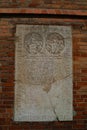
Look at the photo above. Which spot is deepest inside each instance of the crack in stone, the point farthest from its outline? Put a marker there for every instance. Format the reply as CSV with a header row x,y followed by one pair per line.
x,y
53,109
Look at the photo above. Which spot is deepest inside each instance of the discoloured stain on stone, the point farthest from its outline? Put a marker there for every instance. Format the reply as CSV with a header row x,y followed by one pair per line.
x,y
43,73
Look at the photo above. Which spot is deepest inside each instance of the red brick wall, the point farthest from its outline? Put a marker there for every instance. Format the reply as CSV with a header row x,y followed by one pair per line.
x,y
7,73
63,4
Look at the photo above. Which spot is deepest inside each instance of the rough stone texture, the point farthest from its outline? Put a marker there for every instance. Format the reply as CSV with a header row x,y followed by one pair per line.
x,y
43,73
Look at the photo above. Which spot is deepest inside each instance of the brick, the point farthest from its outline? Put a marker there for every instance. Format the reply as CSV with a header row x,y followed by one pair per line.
x,y
43,3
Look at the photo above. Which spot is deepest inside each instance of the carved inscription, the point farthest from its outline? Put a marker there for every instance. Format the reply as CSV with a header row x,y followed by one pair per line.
x,y
33,43
55,43
43,73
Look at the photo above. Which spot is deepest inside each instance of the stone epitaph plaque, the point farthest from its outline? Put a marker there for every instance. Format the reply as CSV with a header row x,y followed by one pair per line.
x,y
43,73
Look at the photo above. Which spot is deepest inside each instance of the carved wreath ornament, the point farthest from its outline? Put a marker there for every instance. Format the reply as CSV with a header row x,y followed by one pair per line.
x,y
54,43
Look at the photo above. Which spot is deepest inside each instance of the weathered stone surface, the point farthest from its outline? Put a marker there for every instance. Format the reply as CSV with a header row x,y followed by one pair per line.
x,y
43,73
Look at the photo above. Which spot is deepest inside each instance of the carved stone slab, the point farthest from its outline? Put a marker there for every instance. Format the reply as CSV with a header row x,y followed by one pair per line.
x,y
43,73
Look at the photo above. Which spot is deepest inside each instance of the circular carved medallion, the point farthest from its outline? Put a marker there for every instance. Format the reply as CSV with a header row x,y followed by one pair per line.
x,y
55,43
33,42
